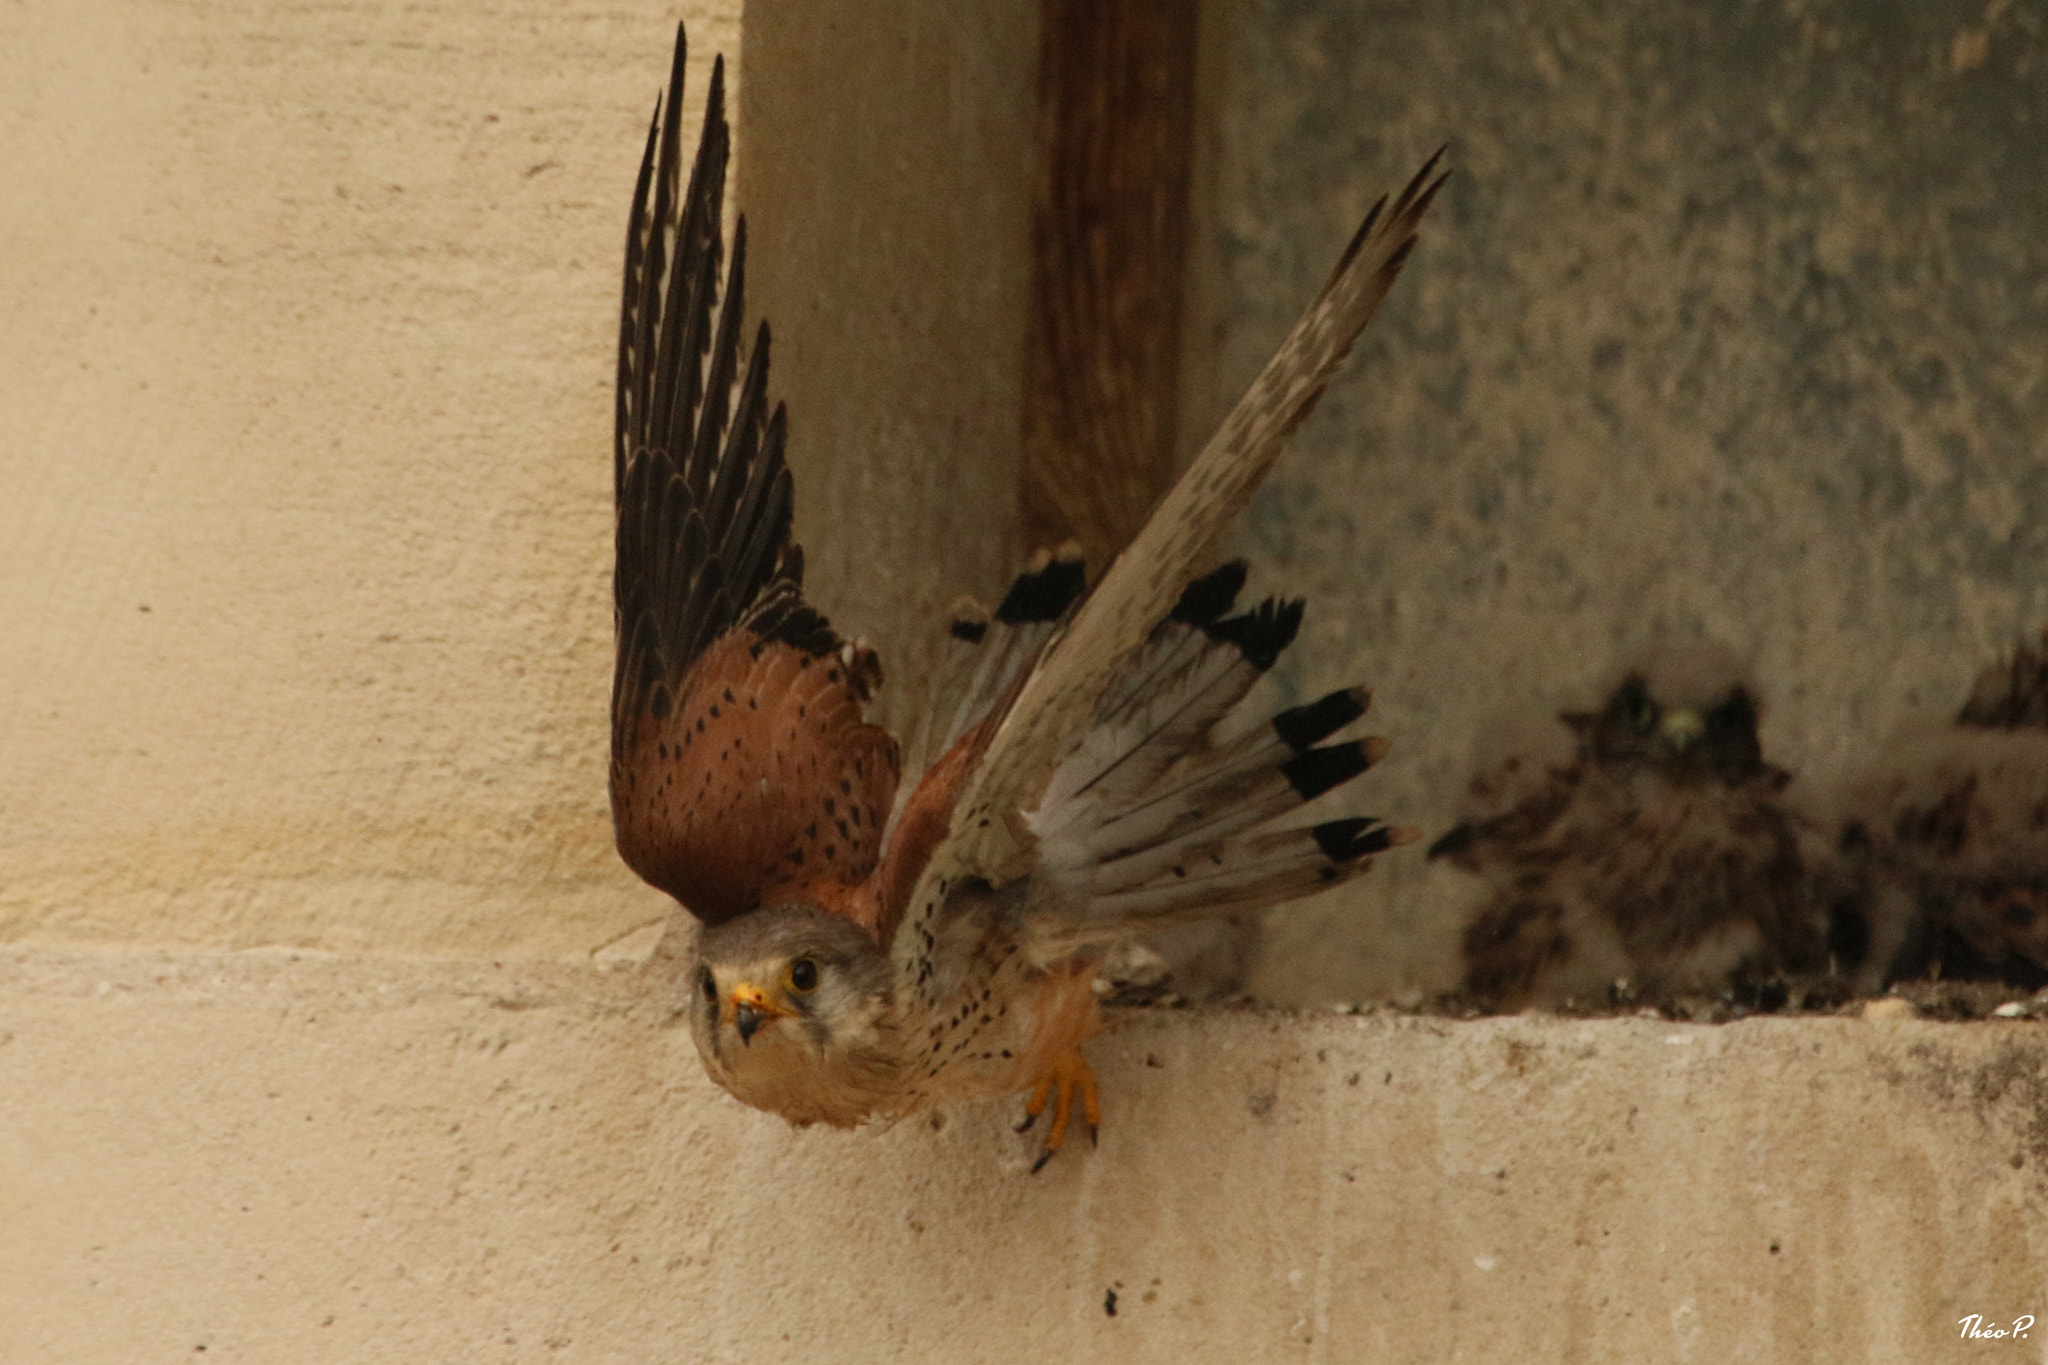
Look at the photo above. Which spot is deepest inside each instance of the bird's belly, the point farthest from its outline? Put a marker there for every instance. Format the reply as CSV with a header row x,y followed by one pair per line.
x,y
998,1040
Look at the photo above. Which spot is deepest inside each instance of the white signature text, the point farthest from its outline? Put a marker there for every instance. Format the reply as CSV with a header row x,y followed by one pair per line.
x,y
1975,1326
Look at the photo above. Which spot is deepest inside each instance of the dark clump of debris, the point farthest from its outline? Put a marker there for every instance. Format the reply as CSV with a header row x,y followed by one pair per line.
x,y
1788,997
1950,1000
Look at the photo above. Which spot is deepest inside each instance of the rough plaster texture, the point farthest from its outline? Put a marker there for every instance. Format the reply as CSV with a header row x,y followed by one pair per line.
x,y
304,419
307,352
305,393
1731,327
365,1161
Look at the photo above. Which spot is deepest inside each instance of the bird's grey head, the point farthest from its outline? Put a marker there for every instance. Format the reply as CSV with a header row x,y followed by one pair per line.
x,y
789,1007
1712,740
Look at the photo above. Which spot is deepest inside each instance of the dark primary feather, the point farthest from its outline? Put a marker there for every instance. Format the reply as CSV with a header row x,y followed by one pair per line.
x,y
704,503
704,497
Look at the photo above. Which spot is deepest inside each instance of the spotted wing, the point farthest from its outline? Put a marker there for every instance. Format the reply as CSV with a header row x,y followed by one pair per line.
x,y
742,769
1143,584
987,840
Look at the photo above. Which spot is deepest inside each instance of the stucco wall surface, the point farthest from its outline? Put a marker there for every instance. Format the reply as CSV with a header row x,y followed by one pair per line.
x,y
265,1158
305,409
304,641
305,413
1729,332
305,390
886,157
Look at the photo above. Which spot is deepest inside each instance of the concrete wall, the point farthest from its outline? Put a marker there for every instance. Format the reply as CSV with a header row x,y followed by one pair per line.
x,y
268,1158
304,640
1730,330
307,399
304,604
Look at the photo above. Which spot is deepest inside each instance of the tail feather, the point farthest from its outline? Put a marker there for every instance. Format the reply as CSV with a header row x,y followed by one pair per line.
x,y
1064,690
1151,817
1225,801
1196,666
1178,644
1126,749
1282,748
1229,876
1192,669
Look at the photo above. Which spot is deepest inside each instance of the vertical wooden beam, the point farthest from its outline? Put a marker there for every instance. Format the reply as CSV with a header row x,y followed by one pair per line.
x,y
1109,246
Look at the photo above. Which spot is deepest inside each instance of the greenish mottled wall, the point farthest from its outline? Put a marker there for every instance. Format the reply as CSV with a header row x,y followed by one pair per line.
x,y
1731,329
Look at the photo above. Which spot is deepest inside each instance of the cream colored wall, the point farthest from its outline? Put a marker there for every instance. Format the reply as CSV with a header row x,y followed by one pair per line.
x,y
308,351
305,396
369,1162
305,408
1729,333
886,159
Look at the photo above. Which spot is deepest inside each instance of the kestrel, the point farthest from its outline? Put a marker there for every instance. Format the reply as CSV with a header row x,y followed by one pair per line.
x,y
1658,853
1945,844
867,952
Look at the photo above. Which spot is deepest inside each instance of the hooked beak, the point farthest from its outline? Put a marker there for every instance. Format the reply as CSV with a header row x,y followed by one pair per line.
x,y
1683,727
751,1007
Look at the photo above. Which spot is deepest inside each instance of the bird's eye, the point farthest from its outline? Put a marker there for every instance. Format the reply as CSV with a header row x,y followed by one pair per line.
x,y
708,986
1641,712
803,975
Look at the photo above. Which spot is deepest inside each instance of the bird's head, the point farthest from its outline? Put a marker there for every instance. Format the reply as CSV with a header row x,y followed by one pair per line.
x,y
1713,739
788,1006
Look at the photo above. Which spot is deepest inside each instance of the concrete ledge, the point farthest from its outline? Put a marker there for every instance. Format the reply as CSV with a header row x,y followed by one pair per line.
x,y
315,1159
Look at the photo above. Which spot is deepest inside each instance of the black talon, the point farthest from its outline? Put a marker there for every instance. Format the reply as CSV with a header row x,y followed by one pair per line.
x,y
1025,1126
1043,1157
1094,1136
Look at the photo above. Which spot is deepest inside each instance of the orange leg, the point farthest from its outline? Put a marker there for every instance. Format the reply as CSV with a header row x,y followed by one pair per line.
x,y
1069,1075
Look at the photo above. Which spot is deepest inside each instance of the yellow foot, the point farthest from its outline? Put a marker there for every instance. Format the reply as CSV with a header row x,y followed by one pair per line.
x,y
1068,1075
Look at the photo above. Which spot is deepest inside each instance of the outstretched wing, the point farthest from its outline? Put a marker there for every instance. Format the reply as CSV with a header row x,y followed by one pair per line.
x,y
987,839
742,769
1146,580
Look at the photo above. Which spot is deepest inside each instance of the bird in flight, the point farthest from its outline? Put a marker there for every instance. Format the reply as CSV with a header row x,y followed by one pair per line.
x,y
871,948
